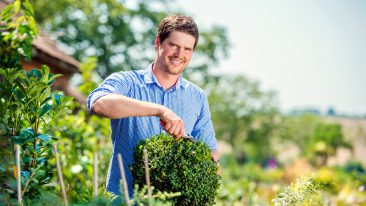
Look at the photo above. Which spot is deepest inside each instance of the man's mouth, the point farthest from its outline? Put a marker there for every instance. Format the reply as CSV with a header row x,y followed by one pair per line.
x,y
176,61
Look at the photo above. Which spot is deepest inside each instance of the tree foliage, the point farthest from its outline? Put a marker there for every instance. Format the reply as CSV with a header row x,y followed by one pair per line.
x,y
243,115
120,33
18,29
298,130
324,142
316,139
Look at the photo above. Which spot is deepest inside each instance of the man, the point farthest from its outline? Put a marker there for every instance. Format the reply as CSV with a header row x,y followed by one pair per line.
x,y
136,101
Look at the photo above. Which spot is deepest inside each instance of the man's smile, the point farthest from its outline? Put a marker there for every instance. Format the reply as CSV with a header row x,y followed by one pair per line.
x,y
176,61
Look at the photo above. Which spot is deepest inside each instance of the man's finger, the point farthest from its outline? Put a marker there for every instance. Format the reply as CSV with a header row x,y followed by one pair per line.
x,y
215,155
172,129
178,129
167,126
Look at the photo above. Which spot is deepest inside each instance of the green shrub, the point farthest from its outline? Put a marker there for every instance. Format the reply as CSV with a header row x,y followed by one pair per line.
x,y
141,198
28,107
178,166
305,191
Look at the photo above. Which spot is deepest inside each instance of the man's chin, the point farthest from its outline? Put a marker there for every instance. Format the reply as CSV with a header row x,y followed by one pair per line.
x,y
174,71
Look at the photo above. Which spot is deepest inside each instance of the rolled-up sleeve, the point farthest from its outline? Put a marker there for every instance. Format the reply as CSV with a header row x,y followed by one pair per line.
x,y
203,129
116,83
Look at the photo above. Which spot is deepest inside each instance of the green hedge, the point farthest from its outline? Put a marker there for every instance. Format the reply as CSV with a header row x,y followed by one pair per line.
x,y
178,166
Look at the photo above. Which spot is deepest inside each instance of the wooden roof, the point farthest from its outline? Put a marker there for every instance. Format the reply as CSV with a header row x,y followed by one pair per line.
x,y
46,50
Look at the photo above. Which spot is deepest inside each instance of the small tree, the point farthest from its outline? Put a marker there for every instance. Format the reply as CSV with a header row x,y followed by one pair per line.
x,y
178,166
27,105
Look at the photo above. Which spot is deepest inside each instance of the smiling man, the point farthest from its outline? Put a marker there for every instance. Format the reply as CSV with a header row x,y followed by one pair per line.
x,y
136,101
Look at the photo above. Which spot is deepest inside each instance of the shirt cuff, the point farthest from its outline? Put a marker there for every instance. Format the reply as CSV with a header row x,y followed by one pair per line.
x,y
94,98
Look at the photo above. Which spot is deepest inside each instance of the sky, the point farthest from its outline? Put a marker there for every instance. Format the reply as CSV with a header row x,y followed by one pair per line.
x,y
311,52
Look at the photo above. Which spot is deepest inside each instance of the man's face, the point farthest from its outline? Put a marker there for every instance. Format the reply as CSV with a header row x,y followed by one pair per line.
x,y
175,52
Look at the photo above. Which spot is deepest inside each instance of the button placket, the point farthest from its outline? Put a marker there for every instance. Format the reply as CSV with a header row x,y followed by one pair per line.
x,y
164,103
165,99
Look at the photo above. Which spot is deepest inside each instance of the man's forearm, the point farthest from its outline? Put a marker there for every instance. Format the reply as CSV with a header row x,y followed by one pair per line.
x,y
116,106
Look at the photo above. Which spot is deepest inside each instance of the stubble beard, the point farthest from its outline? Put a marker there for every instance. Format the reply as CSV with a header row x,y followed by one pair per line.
x,y
170,69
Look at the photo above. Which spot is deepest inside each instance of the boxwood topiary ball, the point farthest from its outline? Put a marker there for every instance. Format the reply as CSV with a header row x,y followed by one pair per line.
x,y
178,166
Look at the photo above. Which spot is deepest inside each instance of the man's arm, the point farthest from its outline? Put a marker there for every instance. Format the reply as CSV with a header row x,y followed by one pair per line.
x,y
116,106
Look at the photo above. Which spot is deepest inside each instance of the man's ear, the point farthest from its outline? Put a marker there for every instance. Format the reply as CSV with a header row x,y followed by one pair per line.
x,y
157,43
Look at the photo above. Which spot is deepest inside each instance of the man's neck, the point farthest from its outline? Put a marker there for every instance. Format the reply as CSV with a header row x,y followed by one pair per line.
x,y
165,79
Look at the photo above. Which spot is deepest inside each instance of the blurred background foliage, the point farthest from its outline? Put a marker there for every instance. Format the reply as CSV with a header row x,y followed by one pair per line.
x,y
263,150
120,34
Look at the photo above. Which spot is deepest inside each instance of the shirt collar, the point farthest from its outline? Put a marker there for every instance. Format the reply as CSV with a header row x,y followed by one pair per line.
x,y
150,78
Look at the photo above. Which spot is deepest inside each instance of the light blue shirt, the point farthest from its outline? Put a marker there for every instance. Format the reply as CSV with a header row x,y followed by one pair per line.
x,y
185,99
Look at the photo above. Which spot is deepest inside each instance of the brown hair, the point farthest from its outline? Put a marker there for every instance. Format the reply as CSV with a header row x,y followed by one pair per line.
x,y
177,23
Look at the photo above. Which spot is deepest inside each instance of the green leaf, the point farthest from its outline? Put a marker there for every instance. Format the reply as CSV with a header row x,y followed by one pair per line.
x,y
26,159
28,8
46,100
15,91
40,172
35,180
32,120
52,77
7,12
66,99
31,149
46,179
18,82
54,138
36,73
44,137
25,174
58,98
18,140
41,160
27,133
45,108
26,73
2,89
17,4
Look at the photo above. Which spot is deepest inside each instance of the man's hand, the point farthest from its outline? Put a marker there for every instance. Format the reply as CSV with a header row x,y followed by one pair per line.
x,y
173,124
215,155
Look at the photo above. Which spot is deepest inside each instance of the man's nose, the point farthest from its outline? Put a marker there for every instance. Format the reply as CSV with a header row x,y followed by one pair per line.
x,y
178,52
